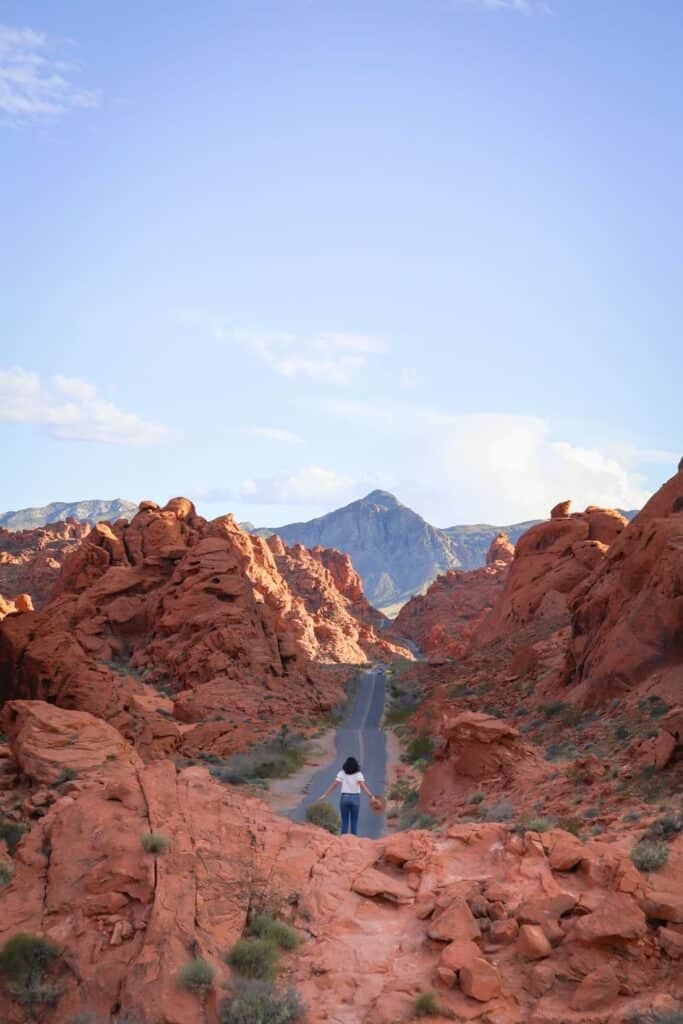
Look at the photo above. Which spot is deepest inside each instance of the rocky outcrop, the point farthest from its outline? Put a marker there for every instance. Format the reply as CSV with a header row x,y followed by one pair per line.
x,y
30,560
551,560
477,912
627,621
501,550
475,747
21,603
185,633
443,621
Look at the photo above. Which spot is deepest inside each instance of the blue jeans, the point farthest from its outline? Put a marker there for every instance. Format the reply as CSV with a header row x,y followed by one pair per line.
x,y
349,805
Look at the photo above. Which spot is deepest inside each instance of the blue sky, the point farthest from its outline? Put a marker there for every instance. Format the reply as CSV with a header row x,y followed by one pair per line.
x,y
273,253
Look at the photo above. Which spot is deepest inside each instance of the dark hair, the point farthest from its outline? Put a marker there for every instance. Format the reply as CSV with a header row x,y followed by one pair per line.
x,y
351,766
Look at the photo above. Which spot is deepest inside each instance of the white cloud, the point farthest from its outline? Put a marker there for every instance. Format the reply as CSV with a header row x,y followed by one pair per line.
x,y
310,486
71,410
34,82
516,6
273,434
465,467
331,356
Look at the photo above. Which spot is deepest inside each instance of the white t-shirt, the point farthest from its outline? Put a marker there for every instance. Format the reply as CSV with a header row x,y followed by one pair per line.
x,y
350,783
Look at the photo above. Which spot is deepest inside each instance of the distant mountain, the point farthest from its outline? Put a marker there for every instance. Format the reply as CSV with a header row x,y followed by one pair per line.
x,y
473,541
396,552
94,511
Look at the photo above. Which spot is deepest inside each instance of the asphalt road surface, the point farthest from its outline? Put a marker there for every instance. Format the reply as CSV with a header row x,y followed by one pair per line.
x,y
361,736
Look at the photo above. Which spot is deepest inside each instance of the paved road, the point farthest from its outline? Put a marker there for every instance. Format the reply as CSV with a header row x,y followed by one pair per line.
x,y
359,735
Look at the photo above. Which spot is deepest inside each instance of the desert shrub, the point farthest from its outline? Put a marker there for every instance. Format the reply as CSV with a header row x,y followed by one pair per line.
x,y
475,798
6,873
11,832
420,748
66,775
551,710
622,732
197,976
654,706
535,824
154,842
259,1002
649,855
325,816
400,789
501,811
656,1017
254,958
572,825
666,827
23,960
592,812
265,926
632,816
274,759
426,1005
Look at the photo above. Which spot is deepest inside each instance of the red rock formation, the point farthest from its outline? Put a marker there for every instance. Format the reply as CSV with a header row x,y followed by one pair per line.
x,y
30,560
627,620
551,560
199,610
501,549
443,621
21,603
412,911
476,747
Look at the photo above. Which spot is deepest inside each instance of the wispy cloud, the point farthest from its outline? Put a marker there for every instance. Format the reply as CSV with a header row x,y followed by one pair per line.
x,y
514,6
310,486
71,410
465,466
273,434
331,356
34,81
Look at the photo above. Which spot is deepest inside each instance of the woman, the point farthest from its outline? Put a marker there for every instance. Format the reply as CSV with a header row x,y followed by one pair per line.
x,y
351,780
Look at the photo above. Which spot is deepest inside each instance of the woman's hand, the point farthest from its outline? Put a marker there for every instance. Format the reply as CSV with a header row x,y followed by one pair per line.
x,y
366,791
329,789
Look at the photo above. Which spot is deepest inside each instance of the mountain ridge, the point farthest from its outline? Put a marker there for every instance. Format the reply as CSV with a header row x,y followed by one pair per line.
x,y
89,510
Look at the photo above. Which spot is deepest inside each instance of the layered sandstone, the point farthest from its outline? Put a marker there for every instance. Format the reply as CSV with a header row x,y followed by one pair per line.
x,y
443,621
185,633
503,926
30,560
551,560
627,621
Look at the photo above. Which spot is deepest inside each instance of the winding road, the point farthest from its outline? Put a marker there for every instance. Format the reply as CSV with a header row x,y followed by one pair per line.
x,y
362,736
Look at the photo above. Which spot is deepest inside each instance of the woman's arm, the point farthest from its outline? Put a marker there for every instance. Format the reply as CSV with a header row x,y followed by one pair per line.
x,y
365,789
335,782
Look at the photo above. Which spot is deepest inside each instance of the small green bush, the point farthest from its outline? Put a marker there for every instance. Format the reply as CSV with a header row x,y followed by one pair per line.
x,y
649,855
23,960
426,1005
400,789
572,825
531,824
420,748
475,798
154,842
11,832
501,811
258,1002
197,976
264,926
666,827
254,958
6,873
324,816
67,775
